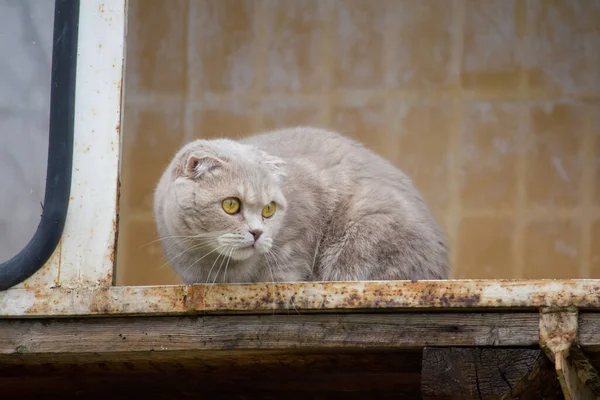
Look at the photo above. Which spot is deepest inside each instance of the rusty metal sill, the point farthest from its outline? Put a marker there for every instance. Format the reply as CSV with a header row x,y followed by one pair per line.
x,y
303,297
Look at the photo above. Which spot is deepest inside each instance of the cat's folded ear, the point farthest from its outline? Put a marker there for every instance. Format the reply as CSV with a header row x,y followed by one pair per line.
x,y
195,165
274,164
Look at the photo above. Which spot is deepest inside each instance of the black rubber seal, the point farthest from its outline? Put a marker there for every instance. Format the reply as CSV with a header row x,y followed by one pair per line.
x,y
60,150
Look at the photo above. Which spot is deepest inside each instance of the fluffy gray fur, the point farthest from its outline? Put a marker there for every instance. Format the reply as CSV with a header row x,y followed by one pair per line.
x,y
343,212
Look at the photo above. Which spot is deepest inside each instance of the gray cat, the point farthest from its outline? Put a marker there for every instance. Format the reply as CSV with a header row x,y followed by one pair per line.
x,y
299,204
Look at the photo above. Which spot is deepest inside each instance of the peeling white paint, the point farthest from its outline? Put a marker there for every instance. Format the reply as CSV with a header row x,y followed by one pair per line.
x,y
565,248
16,302
560,169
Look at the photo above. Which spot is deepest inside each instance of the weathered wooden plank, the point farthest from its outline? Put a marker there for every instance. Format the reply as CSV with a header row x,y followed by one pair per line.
x,y
558,339
589,331
586,370
167,334
342,374
488,373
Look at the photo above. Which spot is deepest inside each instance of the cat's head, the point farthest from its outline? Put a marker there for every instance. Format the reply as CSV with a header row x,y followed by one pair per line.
x,y
227,196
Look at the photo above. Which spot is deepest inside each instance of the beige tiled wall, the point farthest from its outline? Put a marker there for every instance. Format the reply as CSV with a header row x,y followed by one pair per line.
x,y
492,106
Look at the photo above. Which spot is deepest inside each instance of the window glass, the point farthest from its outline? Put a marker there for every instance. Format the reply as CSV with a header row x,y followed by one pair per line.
x,y
26,28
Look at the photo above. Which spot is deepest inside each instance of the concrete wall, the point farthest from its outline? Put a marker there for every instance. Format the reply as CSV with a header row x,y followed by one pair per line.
x,y
493,107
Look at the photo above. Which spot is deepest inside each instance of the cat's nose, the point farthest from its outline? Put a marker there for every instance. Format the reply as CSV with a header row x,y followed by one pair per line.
x,y
256,233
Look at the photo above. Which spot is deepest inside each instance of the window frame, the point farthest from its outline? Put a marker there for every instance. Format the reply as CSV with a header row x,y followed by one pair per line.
x,y
74,245
60,150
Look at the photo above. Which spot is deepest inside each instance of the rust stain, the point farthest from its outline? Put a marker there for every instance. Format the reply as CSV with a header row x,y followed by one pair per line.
x,y
112,248
558,328
119,85
101,303
374,295
312,296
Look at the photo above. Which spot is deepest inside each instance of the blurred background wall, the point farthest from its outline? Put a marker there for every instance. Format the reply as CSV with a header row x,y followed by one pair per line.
x,y
491,106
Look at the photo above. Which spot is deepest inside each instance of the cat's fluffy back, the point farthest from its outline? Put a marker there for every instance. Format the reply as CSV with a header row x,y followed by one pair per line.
x,y
350,172
338,161
328,152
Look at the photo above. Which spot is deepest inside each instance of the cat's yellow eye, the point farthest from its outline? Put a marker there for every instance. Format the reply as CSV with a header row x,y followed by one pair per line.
x,y
231,205
269,210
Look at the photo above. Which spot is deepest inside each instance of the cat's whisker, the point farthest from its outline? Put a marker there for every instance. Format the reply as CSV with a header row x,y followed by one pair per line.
x,y
184,237
169,261
228,260
228,251
210,270
275,258
203,239
275,253
204,256
184,251
161,239
272,283
197,246
219,270
281,260
190,247
279,249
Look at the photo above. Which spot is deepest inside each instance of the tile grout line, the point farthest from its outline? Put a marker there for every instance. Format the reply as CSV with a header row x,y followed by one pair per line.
x,y
391,102
534,213
260,20
590,145
407,94
593,56
454,175
327,63
187,100
520,212
587,185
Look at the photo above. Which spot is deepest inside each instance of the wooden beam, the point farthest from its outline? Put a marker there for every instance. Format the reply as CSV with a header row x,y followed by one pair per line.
x,y
487,373
559,329
264,374
105,336
587,372
589,330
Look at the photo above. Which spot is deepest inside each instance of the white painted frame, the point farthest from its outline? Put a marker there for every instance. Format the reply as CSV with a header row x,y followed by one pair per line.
x,y
84,256
89,237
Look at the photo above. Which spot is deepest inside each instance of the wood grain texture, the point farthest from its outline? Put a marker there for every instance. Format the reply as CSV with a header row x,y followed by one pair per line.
x,y
339,374
488,373
587,371
348,356
195,333
589,330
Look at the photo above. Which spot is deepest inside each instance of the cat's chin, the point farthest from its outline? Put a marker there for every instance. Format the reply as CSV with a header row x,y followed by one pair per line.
x,y
243,253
